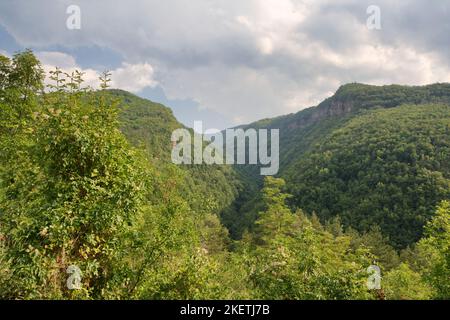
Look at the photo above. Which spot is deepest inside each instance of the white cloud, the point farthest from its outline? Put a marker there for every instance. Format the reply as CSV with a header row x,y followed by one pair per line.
x,y
55,58
133,77
247,59
129,77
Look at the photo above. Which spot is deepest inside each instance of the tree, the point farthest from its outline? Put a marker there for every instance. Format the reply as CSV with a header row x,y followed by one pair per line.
x,y
71,199
277,218
402,283
435,246
385,256
292,259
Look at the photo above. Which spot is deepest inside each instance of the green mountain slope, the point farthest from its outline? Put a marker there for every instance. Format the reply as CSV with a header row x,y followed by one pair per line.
x,y
299,131
335,157
362,154
150,125
388,167
146,123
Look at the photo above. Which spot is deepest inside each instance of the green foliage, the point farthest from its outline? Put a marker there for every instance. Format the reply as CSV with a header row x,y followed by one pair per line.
x,y
21,78
149,126
435,247
86,181
363,131
291,259
385,256
403,283
145,124
71,199
75,193
386,167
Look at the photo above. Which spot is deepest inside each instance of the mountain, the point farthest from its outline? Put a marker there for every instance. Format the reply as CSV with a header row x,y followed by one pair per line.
x,y
88,191
374,155
149,125
146,123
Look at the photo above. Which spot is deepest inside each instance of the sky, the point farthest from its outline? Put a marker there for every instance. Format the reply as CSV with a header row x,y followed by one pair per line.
x,y
231,62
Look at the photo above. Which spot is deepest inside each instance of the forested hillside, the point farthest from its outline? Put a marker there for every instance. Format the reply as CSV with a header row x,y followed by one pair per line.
x,y
375,156
385,167
92,208
149,126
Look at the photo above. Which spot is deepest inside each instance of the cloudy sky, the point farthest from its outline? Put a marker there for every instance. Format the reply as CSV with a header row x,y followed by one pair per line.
x,y
231,62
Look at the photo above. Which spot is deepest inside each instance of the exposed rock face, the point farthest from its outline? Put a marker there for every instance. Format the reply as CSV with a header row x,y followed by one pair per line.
x,y
355,96
339,108
335,108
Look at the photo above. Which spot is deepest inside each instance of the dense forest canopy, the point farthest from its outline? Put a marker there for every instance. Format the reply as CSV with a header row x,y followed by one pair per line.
x,y
92,208
371,155
388,167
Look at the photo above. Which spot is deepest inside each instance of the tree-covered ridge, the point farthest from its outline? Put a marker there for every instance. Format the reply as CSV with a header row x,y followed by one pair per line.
x,y
303,132
386,167
146,123
356,96
74,194
363,96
